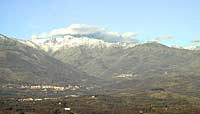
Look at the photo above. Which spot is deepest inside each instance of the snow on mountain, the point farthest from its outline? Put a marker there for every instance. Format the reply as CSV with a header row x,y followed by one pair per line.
x,y
30,43
192,47
2,37
54,44
68,41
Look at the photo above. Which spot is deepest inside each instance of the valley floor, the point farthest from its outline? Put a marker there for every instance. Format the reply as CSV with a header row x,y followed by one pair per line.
x,y
96,104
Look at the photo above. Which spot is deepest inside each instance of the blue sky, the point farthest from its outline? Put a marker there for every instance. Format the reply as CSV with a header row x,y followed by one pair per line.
x,y
148,18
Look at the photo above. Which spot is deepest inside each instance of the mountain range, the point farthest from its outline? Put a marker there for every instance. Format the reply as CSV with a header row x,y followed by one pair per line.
x,y
21,64
118,67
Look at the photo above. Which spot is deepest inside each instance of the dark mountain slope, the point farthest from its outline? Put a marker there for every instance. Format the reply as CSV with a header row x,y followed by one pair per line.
x,y
149,70
23,64
155,59
94,61
147,59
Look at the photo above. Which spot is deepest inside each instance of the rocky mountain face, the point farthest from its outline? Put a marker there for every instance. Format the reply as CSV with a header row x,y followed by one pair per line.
x,y
121,60
149,68
90,55
126,68
22,64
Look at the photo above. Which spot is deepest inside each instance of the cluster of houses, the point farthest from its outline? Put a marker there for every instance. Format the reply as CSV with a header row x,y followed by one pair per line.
x,y
30,99
124,75
57,88
48,98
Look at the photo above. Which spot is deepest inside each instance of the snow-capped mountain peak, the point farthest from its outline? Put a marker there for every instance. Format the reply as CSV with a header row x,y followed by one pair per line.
x,y
54,44
192,47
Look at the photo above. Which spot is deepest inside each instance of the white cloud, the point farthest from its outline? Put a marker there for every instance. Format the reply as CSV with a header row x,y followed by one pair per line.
x,y
88,31
129,35
197,40
162,37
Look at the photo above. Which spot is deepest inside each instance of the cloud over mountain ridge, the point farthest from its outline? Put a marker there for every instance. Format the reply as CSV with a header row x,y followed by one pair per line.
x,y
90,31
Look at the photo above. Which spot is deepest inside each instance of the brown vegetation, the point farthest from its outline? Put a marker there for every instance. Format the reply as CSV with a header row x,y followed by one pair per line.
x,y
99,105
